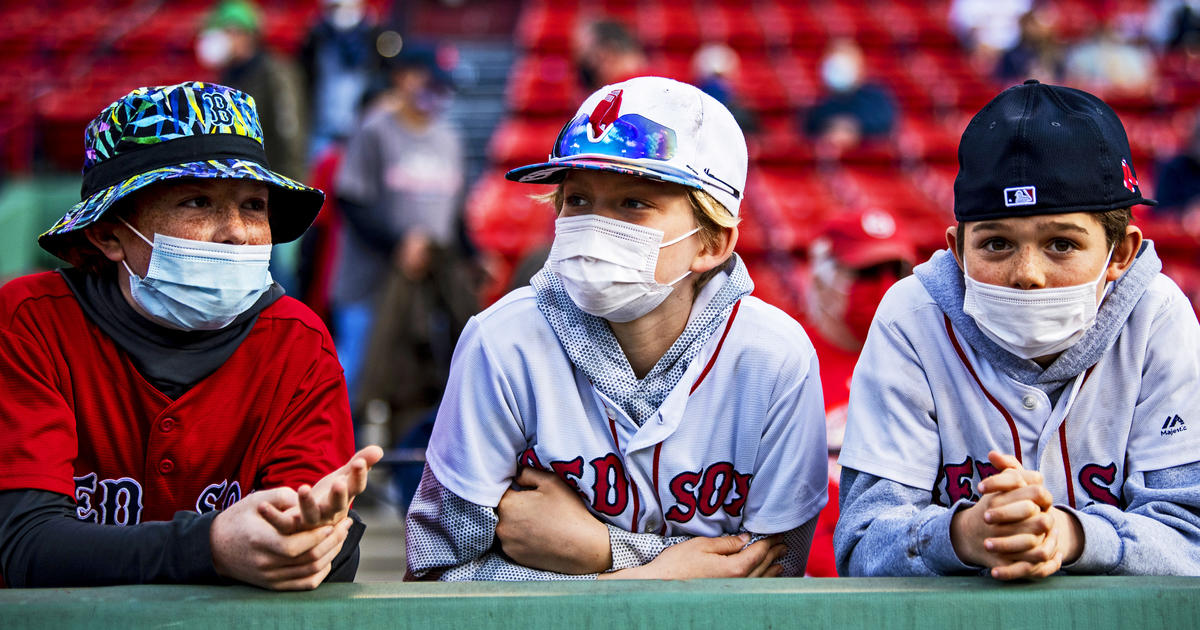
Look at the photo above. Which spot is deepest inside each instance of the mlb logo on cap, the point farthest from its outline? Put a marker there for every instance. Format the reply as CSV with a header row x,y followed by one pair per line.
x,y
1020,196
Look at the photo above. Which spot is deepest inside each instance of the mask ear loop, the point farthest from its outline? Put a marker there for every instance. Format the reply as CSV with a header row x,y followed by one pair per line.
x,y
139,234
672,242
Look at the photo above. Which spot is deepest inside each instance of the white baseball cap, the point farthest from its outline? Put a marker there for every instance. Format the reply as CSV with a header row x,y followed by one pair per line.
x,y
655,128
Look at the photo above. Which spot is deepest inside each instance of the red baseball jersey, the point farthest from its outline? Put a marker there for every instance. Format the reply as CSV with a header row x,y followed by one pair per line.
x,y
78,419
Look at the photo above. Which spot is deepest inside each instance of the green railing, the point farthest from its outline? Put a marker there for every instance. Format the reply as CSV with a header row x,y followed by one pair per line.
x,y
1090,603
28,207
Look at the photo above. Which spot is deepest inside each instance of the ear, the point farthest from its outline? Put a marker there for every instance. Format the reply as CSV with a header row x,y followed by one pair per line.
x,y
952,243
1124,253
101,234
710,257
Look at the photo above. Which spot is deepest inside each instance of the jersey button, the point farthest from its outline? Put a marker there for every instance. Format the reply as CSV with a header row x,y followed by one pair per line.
x,y
166,466
167,425
1029,402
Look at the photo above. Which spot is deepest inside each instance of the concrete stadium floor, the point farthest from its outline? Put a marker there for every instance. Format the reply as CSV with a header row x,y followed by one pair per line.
x,y
381,553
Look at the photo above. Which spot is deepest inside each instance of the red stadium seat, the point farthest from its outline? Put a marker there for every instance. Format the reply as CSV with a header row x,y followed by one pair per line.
x,y
502,217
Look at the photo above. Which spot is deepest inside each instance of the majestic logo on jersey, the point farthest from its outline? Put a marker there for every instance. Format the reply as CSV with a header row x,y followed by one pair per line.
x,y
1131,182
1020,196
1174,424
108,501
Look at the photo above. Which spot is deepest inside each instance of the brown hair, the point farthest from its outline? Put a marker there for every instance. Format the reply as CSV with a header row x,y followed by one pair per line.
x,y
711,217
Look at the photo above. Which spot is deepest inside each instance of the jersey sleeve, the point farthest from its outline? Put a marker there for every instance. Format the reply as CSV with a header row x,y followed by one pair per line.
x,y
1166,423
790,484
315,435
891,431
478,434
40,442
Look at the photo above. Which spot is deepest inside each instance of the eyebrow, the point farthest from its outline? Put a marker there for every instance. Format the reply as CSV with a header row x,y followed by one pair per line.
x,y
1058,225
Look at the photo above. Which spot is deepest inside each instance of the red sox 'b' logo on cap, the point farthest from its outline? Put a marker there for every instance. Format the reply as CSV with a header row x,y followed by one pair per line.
x,y
606,113
1131,182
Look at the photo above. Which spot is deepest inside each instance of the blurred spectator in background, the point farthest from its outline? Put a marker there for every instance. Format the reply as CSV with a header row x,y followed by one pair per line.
x,y
1113,60
1179,180
399,294
1175,24
852,110
857,256
714,67
606,51
987,28
1038,53
231,43
339,59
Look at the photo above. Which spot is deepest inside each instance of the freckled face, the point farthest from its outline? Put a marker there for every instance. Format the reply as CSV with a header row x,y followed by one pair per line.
x,y
229,211
1047,251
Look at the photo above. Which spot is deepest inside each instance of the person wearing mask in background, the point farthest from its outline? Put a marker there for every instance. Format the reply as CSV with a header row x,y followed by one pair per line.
x,y
854,259
231,43
606,52
340,59
169,416
401,291
852,110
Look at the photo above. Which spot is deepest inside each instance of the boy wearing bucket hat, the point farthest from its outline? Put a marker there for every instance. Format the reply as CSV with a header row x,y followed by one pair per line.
x,y
633,413
1022,402
164,383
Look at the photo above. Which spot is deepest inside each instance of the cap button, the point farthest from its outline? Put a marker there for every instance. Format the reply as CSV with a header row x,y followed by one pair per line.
x,y
1031,81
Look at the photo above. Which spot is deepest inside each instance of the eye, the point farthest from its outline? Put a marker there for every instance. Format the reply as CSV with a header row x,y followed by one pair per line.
x,y
255,203
994,244
636,204
1062,246
200,201
574,201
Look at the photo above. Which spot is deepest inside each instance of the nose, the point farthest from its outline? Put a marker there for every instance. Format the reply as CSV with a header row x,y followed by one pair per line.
x,y
1027,272
231,226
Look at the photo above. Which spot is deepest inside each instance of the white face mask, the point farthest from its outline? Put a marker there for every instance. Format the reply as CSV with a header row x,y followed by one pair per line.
x,y
1032,322
607,266
198,285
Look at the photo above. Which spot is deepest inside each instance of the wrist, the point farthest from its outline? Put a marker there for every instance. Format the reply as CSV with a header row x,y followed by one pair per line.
x,y
962,538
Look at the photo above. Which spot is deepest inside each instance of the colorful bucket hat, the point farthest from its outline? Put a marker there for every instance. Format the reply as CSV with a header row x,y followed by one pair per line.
x,y
656,128
189,130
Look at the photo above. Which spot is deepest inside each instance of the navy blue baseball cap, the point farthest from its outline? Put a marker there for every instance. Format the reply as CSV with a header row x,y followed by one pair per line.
x,y
1044,149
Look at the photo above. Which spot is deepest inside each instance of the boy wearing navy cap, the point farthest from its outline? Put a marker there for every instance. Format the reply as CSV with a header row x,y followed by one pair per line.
x,y
1021,405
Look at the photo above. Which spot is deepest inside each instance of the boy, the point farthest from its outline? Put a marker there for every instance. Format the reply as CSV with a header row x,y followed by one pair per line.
x,y
636,374
1021,403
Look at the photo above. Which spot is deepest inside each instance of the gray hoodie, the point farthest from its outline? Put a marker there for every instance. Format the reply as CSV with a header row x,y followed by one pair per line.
x,y
888,528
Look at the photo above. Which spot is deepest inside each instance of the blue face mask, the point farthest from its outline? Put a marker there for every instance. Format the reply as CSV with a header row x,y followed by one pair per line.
x,y
197,285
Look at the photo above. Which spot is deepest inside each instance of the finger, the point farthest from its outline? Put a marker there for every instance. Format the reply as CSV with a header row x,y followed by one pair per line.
x,y
770,559
1014,512
370,455
300,542
310,509
1035,494
527,478
284,521
309,561
1004,481
723,545
1012,545
1004,461
306,583
752,556
282,497
356,481
336,502
775,570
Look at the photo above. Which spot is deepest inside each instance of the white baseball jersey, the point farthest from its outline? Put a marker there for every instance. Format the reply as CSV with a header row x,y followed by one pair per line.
x,y
739,443
925,409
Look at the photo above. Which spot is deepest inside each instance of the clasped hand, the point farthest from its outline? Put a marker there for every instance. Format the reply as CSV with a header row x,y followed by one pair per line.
x,y
285,539
1014,529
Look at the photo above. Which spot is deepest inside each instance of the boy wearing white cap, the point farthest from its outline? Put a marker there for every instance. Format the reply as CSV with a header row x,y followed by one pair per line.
x,y
636,374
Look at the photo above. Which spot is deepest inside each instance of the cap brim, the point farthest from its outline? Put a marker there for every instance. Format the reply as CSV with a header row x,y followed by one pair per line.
x,y
554,171
294,206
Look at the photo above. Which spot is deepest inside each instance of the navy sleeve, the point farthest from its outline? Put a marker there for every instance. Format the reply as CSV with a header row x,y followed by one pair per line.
x,y
42,544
